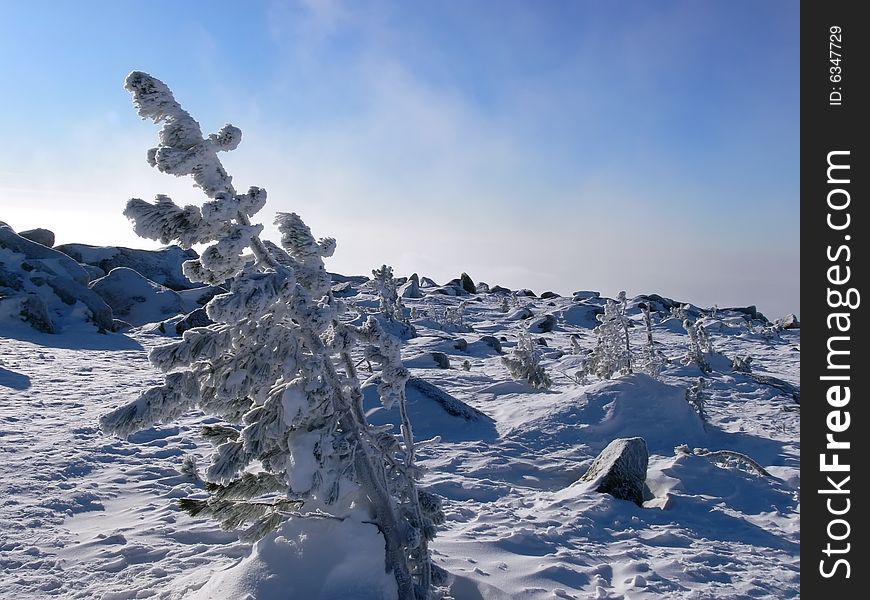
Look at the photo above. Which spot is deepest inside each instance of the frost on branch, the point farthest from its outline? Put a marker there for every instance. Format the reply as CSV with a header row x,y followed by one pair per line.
x,y
275,366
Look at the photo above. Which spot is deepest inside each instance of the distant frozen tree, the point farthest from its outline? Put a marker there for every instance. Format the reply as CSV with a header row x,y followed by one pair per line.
x,y
612,354
275,366
695,353
504,305
525,362
652,361
389,302
575,344
695,397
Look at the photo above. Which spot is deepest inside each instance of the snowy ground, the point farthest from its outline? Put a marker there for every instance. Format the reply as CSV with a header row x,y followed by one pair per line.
x,y
83,515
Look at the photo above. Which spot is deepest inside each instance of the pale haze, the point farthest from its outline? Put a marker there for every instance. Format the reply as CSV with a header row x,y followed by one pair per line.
x,y
650,147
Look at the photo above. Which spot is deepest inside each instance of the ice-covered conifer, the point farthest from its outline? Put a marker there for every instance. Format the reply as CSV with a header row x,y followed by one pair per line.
x,y
525,362
388,297
652,361
695,353
275,365
611,354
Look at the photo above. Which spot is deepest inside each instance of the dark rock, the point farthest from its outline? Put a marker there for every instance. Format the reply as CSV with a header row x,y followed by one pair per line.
x,y
526,293
585,295
789,322
39,235
441,360
426,282
543,324
654,302
32,310
620,470
482,288
445,290
467,283
344,289
92,271
521,313
460,344
541,342
497,289
750,311
195,318
492,341
548,295
357,279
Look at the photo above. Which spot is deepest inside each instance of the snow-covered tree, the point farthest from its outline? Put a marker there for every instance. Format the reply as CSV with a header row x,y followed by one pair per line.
x,y
612,352
695,353
388,296
275,366
525,362
652,361
695,396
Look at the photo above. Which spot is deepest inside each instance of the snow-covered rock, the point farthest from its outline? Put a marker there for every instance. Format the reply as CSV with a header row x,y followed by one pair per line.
x,y
162,266
311,558
789,322
411,288
39,235
45,287
581,295
581,315
521,313
620,470
138,300
542,324
432,411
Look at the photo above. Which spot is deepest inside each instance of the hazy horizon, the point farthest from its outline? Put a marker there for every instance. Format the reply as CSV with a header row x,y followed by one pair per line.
x,y
555,146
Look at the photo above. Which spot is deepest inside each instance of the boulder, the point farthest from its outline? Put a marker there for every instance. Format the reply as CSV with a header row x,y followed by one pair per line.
x,y
620,470
41,257
467,283
526,292
750,311
46,288
30,308
344,289
411,288
39,235
195,318
138,300
548,295
460,344
482,287
585,295
92,271
441,359
543,324
162,266
789,322
492,341
497,289
520,313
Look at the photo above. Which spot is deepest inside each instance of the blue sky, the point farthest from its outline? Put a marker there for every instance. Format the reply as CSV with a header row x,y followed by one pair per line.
x,y
645,146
